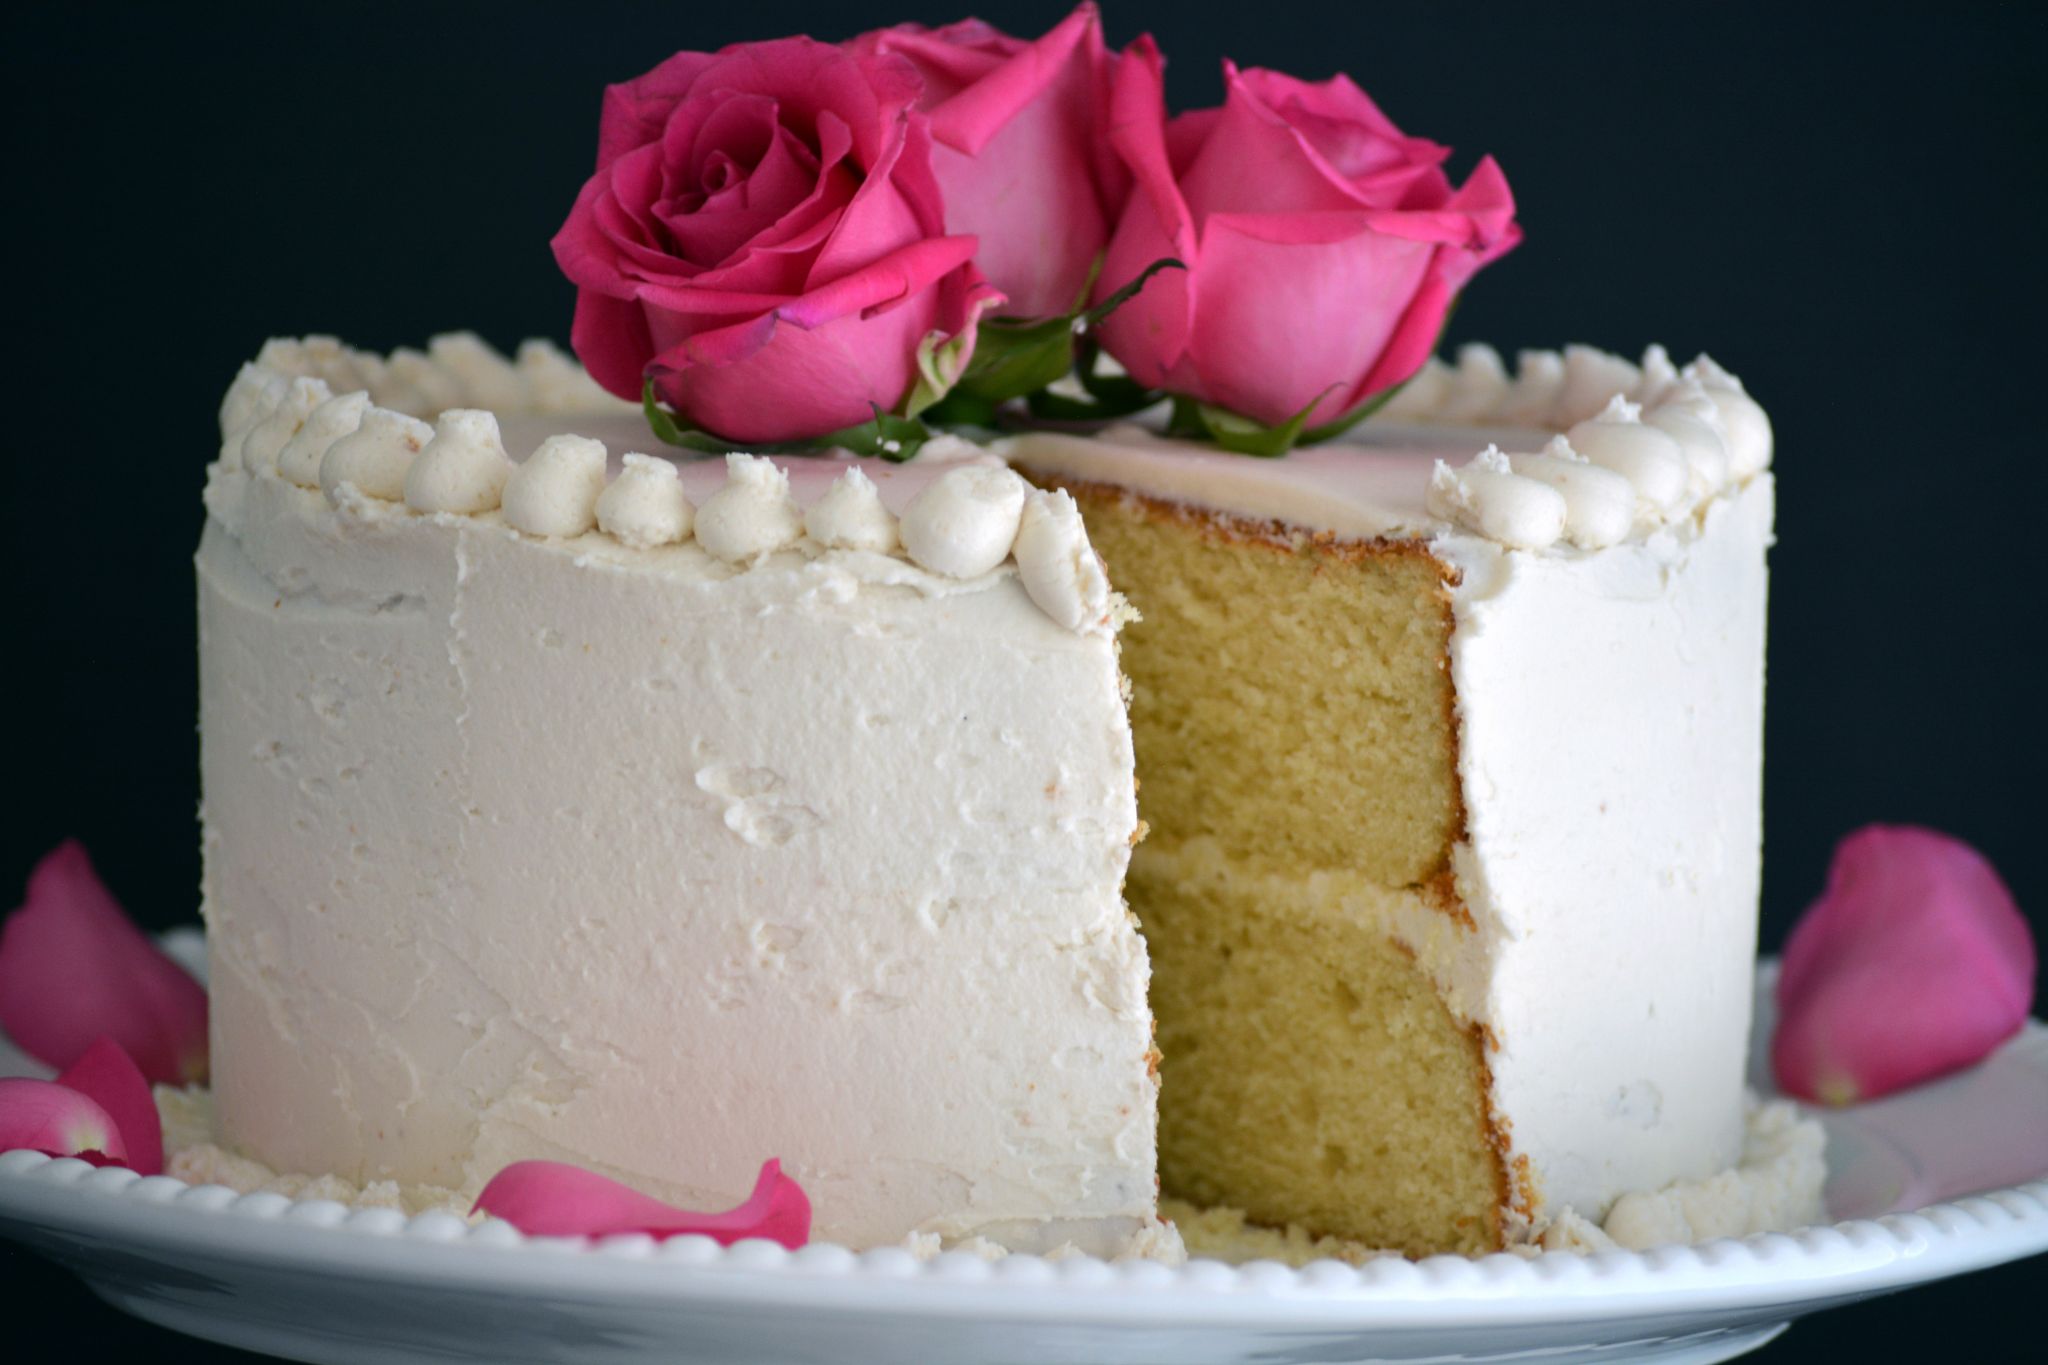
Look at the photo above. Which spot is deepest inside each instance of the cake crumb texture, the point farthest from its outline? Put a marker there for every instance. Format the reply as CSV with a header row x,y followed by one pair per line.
x,y
1291,711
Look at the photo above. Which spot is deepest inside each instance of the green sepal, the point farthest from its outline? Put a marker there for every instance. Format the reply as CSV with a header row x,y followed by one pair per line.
x,y
1095,316
938,370
1109,395
1239,434
1018,358
1012,359
891,437
887,435
671,432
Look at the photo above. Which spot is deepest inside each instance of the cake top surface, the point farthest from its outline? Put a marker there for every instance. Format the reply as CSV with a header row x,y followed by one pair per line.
x,y
1574,452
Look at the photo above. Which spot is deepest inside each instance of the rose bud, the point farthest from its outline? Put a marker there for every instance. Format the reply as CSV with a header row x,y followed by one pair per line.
x,y
1323,246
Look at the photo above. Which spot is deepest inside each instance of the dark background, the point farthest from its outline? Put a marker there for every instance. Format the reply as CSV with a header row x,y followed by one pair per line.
x,y
1844,204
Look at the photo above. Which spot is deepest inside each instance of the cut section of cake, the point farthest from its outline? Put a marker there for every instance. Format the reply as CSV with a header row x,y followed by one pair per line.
x,y
1451,877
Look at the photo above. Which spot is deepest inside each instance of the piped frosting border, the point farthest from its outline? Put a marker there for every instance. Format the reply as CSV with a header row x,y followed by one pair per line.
x,y
354,426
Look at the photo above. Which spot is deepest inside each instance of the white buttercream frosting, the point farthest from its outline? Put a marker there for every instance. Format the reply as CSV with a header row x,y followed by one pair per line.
x,y
1775,1187
753,514
1059,567
1423,396
1659,374
1599,504
555,383
482,377
414,383
299,461
1592,378
554,492
645,506
375,458
464,467
1539,382
275,429
851,516
246,399
1486,495
1478,386
1745,425
1650,458
739,844
965,521
1688,416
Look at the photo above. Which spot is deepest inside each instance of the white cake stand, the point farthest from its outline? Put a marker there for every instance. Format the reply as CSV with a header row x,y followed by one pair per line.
x,y
315,1281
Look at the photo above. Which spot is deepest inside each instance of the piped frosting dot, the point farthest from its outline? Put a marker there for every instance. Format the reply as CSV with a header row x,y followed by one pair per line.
x,y
851,516
1423,396
1599,504
486,378
375,458
751,514
1539,379
246,399
299,461
1689,417
1479,385
413,383
464,467
1659,374
1486,496
1059,567
555,383
555,492
1591,378
645,505
1649,458
1745,425
260,447
964,522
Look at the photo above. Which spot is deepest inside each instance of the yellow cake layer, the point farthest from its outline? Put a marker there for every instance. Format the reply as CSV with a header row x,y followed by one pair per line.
x,y
1291,696
1292,713
1312,1075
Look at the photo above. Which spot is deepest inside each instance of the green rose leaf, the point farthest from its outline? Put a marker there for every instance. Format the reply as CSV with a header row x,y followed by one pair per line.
x,y
669,431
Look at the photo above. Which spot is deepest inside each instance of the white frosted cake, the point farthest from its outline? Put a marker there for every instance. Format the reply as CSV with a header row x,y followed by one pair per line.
x,y
665,815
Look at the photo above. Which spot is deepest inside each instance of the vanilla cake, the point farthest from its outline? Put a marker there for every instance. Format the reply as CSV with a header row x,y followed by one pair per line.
x,y
667,815
666,828
1452,772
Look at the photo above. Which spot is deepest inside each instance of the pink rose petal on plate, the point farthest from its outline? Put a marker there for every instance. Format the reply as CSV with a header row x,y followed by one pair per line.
x,y
73,967
1913,963
44,1116
109,1078
553,1199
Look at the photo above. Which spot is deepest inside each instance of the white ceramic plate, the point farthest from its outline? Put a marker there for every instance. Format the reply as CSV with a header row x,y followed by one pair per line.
x,y
316,1281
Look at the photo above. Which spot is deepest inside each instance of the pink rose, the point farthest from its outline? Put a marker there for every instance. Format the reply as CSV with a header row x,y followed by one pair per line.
x,y
1323,246
1019,151
765,240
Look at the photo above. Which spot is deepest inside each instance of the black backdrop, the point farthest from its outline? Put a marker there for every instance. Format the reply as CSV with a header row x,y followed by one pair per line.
x,y
1843,204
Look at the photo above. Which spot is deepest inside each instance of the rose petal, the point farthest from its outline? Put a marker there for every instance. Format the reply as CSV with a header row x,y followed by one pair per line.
x,y
109,1078
44,1116
1913,963
73,967
553,1199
